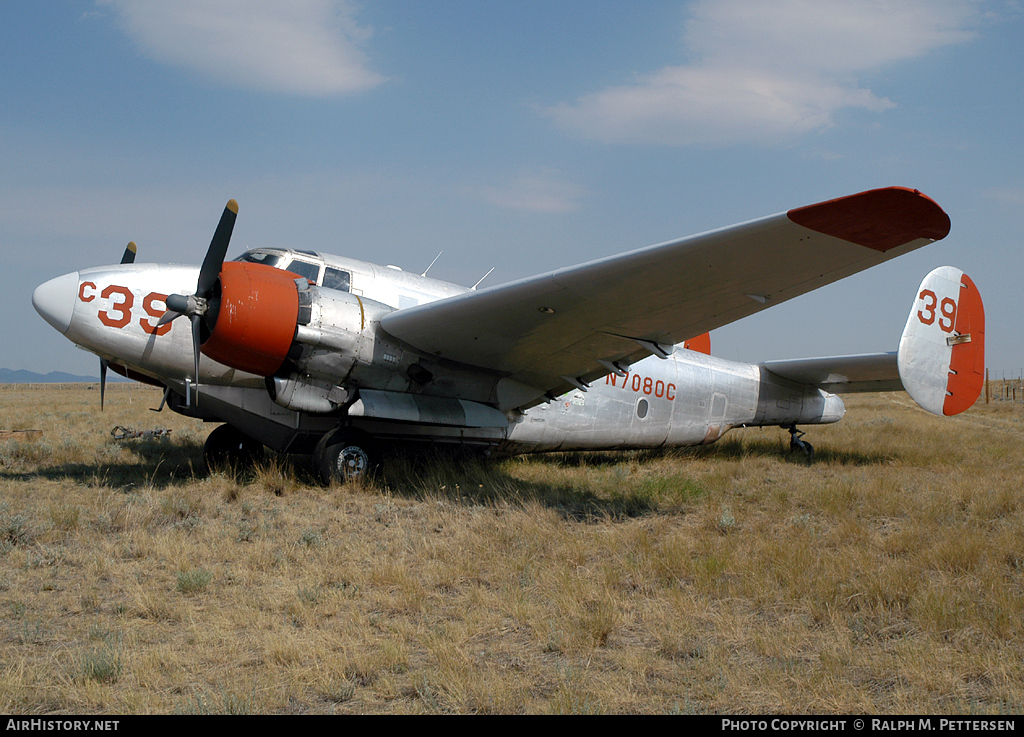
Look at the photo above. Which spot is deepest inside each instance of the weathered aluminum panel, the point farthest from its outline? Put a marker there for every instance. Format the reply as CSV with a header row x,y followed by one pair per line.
x,y
687,399
383,405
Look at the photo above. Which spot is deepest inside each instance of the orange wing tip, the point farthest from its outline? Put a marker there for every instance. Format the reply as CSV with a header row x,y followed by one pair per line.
x,y
880,219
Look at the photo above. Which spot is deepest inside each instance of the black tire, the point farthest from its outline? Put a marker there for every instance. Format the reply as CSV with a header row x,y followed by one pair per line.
x,y
229,446
345,455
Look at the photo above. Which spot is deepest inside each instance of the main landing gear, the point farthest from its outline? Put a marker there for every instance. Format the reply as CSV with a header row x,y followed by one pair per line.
x,y
795,443
228,446
345,455
342,455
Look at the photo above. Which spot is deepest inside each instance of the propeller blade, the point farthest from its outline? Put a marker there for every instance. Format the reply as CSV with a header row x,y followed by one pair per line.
x,y
195,305
167,317
103,380
217,251
196,323
129,253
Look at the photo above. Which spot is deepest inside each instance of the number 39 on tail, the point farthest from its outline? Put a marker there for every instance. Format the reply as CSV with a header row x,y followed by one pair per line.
x,y
307,352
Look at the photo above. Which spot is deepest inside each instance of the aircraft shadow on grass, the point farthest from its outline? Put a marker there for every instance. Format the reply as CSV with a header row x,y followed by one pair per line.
x,y
161,465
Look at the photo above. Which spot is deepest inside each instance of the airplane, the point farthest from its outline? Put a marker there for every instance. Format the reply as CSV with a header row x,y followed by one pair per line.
x,y
310,353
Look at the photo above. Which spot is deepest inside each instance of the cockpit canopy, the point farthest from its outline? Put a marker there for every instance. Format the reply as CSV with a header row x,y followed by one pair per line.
x,y
306,264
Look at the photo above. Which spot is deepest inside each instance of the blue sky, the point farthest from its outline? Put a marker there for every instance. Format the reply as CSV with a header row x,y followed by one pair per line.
x,y
520,135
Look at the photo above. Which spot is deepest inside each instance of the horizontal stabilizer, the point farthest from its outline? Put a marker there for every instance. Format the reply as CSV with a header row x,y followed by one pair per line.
x,y
942,352
870,372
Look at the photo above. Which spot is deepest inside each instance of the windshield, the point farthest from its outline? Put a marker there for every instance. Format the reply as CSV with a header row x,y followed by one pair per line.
x,y
333,278
311,272
257,257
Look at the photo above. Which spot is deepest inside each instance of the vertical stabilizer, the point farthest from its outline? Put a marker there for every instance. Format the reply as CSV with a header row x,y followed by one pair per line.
x,y
942,351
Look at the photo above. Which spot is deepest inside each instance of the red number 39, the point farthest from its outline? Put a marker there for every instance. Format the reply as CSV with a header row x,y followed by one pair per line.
x,y
947,307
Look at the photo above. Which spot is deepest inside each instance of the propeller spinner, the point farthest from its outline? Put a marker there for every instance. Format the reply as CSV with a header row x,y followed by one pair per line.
x,y
197,306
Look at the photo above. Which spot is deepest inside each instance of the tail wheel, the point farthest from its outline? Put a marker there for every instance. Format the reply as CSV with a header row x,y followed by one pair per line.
x,y
345,455
227,445
795,443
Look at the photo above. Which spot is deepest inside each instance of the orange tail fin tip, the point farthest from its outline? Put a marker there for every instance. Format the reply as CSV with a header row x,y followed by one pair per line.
x,y
701,344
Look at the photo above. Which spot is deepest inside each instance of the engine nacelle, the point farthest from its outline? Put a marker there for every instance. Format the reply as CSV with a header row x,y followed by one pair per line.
x,y
252,317
306,395
316,345
338,337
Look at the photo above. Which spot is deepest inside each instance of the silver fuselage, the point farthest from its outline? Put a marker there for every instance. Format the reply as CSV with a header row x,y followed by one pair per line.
x,y
687,398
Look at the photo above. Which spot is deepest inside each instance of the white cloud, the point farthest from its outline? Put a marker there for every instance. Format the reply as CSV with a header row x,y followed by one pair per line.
x,y
766,71
303,47
541,191
826,36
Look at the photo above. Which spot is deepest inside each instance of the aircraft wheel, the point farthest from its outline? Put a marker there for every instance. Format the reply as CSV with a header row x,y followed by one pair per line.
x,y
345,455
795,443
227,445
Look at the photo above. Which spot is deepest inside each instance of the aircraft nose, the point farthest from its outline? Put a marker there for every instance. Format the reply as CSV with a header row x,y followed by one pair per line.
x,y
55,300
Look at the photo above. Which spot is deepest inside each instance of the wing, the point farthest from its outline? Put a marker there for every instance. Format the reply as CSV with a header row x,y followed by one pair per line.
x,y
570,326
871,372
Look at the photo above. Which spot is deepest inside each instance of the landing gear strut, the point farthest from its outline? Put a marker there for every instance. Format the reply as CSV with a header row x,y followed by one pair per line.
x,y
795,443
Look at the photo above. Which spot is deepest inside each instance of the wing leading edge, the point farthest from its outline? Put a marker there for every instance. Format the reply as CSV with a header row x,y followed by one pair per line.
x,y
566,327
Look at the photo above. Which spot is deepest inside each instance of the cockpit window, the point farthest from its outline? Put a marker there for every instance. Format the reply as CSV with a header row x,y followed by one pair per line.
x,y
256,257
311,272
308,270
337,279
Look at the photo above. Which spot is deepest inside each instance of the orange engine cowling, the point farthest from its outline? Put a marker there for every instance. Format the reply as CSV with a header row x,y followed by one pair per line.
x,y
252,317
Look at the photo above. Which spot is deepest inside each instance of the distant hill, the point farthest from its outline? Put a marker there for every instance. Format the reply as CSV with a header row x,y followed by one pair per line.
x,y
7,376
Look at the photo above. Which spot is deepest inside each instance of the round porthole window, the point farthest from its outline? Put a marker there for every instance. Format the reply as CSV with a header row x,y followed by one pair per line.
x,y
641,408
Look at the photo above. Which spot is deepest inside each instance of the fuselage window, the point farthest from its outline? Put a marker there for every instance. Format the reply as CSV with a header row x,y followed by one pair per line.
x,y
311,272
337,279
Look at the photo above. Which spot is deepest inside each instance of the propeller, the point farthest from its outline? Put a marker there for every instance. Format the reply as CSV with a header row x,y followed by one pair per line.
x,y
196,306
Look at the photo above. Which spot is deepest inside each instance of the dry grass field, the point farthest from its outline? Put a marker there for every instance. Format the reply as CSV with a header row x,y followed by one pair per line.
x,y
886,578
